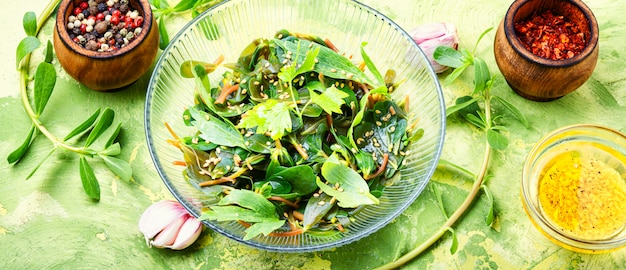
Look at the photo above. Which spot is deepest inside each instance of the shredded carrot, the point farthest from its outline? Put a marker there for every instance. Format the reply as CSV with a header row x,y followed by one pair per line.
x,y
226,91
301,151
297,215
340,227
381,169
179,163
281,199
169,128
362,66
216,182
219,60
293,232
289,233
331,45
406,104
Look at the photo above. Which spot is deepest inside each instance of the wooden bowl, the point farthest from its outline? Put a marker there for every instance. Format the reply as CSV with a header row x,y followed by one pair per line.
x,y
537,78
110,70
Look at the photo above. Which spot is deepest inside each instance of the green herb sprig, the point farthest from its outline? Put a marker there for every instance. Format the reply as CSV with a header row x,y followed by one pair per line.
x,y
161,9
93,128
475,108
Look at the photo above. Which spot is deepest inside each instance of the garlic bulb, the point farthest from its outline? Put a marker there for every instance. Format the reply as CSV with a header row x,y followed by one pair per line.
x,y
432,35
167,224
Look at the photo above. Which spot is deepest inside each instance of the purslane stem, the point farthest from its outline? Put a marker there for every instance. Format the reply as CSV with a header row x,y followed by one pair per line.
x,y
459,211
24,80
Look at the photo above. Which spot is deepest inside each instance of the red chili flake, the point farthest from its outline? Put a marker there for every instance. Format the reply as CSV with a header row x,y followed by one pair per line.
x,y
551,36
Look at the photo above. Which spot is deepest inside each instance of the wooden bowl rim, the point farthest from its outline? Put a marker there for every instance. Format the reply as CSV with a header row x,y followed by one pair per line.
x,y
60,28
509,30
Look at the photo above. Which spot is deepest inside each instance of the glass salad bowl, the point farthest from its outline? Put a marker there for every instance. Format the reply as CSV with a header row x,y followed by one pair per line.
x,y
227,31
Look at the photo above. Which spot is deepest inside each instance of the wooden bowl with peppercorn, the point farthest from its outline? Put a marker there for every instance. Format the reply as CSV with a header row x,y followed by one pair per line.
x,y
546,49
105,44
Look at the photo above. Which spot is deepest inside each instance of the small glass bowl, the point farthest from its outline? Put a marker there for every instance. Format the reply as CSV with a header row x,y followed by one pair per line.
x,y
589,214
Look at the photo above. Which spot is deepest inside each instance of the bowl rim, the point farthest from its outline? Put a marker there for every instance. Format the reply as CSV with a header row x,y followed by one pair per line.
x,y
64,36
532,210
592,42
327,245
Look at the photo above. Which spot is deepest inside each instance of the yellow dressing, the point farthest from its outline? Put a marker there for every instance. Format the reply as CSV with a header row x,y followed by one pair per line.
x,y
583,196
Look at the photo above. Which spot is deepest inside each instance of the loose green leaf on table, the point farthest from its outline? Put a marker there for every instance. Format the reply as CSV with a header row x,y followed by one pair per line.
x,y
45,79
29,22
49,52
118,166
25,47
18,153
89,180
85,125
103,123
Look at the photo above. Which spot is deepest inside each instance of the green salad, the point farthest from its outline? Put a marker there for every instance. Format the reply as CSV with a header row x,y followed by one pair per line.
x,y
294,138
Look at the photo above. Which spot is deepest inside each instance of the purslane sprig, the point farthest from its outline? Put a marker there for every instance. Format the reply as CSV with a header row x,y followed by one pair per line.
x,y
161,9
94,138
476,108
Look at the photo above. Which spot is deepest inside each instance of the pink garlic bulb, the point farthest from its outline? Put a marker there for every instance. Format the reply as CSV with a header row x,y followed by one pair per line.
x,y
167,224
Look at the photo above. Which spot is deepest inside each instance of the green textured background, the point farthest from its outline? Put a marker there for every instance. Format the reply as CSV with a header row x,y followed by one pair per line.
x,y
48,222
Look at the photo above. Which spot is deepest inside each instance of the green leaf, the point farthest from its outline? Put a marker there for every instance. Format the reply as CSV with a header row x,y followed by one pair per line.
x,y
450,57
456,73
262,228
104,122
490,213
118,166
26,46
330,100
89,180
480,38
476,121
184,5
352,190
309,62
164,38
41,162
301,178
316,208
514,110
496,139
481,75
112,150
83,126
371,66
29,22
462,103
330,63
216,131
435,190
455,241
18,153
45,79
49,53
113,136
270,116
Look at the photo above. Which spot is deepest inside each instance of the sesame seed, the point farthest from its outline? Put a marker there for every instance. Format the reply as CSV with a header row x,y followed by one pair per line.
x,y
378,123
333,70
392,111
320,203
377,111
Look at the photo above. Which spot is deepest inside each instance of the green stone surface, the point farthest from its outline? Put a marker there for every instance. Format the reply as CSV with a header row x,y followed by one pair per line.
x,y
47,222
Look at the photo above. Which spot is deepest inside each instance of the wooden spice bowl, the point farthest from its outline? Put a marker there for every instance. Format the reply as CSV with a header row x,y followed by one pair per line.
x,y
108,70
542,79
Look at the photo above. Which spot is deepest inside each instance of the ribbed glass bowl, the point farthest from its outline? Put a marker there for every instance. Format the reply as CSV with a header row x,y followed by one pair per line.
x,y
227,28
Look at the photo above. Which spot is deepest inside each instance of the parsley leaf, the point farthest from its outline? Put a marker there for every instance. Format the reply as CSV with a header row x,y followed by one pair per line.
x,y
270,116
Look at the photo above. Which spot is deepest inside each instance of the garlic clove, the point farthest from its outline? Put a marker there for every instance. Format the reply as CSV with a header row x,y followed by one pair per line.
x,y
432,35
168,235
188,233
157,216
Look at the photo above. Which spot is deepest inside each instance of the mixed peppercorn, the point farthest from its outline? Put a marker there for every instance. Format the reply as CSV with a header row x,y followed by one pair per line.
x,y
104,25
551,36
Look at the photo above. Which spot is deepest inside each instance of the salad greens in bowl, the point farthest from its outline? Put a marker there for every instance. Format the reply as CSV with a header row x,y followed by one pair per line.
x,y
294,125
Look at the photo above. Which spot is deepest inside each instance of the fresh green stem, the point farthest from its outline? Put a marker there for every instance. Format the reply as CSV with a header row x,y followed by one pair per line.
x,y
459,211
25,78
